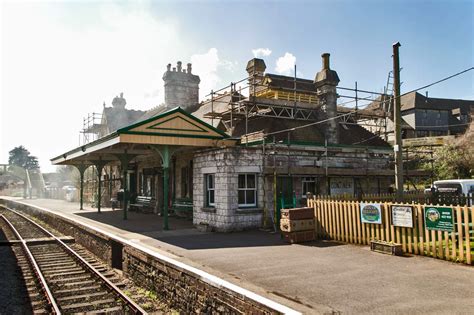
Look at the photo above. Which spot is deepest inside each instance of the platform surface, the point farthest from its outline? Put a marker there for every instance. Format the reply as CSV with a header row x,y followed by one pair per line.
x,y
315,278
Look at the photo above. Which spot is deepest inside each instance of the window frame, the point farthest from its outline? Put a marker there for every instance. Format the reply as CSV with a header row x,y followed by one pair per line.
x,y
245,189
210,189
306,180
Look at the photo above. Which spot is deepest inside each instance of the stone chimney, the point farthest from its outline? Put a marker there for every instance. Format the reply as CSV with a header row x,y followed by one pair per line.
x,y
181,87
256,71
326,81
118,102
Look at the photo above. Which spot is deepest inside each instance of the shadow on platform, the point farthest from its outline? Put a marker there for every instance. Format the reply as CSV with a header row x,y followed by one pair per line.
x,y
136,222
183,234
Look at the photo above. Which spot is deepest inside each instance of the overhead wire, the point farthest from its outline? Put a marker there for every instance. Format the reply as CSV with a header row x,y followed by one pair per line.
x,y
382,101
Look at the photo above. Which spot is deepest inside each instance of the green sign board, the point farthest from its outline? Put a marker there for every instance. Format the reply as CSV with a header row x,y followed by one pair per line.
x,y
439,219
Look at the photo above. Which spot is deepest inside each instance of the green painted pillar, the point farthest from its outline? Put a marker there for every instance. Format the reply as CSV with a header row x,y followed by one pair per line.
x,y
125,159
99,165
125,189
166,176
81,197
165,153
81,168
99,189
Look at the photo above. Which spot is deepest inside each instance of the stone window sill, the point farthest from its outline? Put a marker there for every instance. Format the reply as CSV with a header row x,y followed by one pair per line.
x,y
249,210
208,209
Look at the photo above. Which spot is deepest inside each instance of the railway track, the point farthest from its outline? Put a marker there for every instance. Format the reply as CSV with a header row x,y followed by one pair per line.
x,y
58,278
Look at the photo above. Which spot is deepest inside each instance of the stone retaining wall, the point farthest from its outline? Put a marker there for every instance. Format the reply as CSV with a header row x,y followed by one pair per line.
x,y
185,290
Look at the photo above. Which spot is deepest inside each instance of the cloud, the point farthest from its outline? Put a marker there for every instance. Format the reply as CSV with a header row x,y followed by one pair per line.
x,y
69,61
286,64
209,66
261,52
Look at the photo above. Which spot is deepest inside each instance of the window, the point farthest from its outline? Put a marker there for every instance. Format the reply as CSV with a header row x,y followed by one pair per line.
x,y
184,182
210,187
309,186
247,190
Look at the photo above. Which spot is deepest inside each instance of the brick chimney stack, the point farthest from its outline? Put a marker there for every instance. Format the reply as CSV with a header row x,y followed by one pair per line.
x,y
181,86
326,82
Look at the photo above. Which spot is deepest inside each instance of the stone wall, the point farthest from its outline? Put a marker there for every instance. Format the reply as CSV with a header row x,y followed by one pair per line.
x,y
185,290
227,164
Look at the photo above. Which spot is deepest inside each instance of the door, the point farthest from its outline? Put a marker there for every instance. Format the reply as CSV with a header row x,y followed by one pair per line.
x,y
285,196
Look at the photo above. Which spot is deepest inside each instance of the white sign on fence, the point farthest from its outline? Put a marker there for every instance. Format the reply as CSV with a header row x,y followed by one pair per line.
x,y
402,216
370,213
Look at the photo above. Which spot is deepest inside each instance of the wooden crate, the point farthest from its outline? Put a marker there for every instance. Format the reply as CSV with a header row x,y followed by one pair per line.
x,y
299,237
296,225
297,213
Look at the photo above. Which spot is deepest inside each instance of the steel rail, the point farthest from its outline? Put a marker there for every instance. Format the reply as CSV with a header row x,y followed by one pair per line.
x,y
36,269
135,307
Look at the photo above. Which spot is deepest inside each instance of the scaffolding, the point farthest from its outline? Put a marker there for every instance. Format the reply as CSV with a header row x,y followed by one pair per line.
x,y
254,97
92,127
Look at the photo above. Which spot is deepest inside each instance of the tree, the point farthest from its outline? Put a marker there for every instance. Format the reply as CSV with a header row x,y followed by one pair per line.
x,y
21,157
452,161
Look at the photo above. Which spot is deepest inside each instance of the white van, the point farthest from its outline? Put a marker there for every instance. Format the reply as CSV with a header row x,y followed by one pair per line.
x,y
455,186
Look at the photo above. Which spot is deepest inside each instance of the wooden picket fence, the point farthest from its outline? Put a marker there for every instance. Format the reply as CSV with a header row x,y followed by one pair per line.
x,y
341,221
408,196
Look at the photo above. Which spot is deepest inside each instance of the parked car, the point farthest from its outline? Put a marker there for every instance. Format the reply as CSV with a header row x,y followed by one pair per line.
x,y
452,191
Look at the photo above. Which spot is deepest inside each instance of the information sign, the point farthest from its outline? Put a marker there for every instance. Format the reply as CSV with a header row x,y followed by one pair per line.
x,y
402,216
370,213
439,219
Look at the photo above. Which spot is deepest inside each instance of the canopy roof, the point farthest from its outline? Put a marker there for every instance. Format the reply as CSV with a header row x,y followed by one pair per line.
x,y
173,128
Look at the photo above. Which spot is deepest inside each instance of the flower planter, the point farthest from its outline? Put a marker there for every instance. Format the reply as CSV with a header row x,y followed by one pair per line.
x,y
386,247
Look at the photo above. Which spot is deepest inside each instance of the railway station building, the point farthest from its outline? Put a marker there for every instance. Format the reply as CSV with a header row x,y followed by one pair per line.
x,y
232,161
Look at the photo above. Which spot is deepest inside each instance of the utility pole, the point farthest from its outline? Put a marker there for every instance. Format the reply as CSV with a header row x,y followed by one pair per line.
x,y
397,147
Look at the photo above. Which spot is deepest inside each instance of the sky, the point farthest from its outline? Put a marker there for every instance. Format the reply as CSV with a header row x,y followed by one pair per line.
x,y
61,60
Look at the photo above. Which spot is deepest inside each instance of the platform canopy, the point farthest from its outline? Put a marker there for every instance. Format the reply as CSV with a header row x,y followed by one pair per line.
x,y
175,128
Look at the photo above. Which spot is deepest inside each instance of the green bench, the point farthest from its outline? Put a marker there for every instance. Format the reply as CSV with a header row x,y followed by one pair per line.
x,y
183,207
143,204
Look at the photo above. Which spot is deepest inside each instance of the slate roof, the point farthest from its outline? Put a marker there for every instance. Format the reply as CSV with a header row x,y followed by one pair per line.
x,y
419,101
275,81
117,118
349,134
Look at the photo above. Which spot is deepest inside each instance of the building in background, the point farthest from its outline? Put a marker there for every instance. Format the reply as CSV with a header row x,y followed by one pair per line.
x,y
426,121
233,161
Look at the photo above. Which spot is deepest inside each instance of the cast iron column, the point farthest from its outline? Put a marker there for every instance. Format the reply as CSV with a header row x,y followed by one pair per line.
x,y
125,159
81,168
165,154
99,165
166,166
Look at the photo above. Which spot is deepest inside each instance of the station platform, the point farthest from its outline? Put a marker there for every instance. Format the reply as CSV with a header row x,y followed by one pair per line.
x,y
319,277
